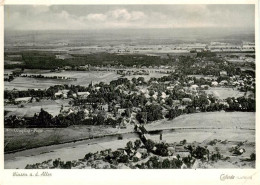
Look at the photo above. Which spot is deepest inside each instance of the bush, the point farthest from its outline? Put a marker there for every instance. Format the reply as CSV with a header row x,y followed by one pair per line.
x,y
252,157
200,152
116,154
87,156
67,165
129,145
135,159
213,142
56,163
188,161
137,144
123,159
149,144
120,137
183,142
161,149
215,157
166,164
176,164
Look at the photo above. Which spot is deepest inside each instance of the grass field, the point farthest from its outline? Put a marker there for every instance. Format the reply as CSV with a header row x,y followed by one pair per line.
x,y
226,129
147,77
22,83
223,92
83,78
221,120
29,109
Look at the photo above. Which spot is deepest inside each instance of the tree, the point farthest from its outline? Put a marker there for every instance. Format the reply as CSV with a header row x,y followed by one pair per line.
x,y
123,159
129,145
134,80
161,149
166,164
149,144
44,119
116,154
151,92
99,119
172,114
141,117
140,79
137,143
169,101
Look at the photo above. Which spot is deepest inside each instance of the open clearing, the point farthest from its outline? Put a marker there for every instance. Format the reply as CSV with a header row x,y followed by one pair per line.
x,y
220,120
223,92
147,77
23,83
84,78
51,106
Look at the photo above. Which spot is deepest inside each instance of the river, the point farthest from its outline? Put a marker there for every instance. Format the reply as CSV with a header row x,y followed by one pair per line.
x,y
67,151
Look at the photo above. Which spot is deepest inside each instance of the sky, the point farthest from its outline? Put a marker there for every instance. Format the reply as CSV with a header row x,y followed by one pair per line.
x,y
89,17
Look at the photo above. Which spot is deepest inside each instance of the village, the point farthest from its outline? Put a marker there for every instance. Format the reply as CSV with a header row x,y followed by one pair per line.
x,y
132,102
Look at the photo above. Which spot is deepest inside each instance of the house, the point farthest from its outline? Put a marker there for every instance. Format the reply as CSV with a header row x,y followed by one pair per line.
x,y
83,94
194,87
223,82
60,95
171,149
23,100
155,96
214,83
176,102
191,82
223,73
67,67
144,91
223,102
86,113
138,155
142,150
163,95
182,107
204,87
186,100
121,111
147,95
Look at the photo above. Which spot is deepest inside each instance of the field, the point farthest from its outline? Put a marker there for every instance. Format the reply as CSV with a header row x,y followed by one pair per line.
x,y
147,77
29,109
218,120
23,83
86,77
223,92
203,76
223,129
83,78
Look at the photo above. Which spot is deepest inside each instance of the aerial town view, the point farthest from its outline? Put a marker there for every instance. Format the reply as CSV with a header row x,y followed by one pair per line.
x,y
129,87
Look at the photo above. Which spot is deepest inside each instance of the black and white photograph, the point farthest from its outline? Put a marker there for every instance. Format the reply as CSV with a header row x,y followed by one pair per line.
x,y
129,86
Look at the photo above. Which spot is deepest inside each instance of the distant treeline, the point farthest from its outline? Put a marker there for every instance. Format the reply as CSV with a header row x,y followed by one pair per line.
x,y
43,60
